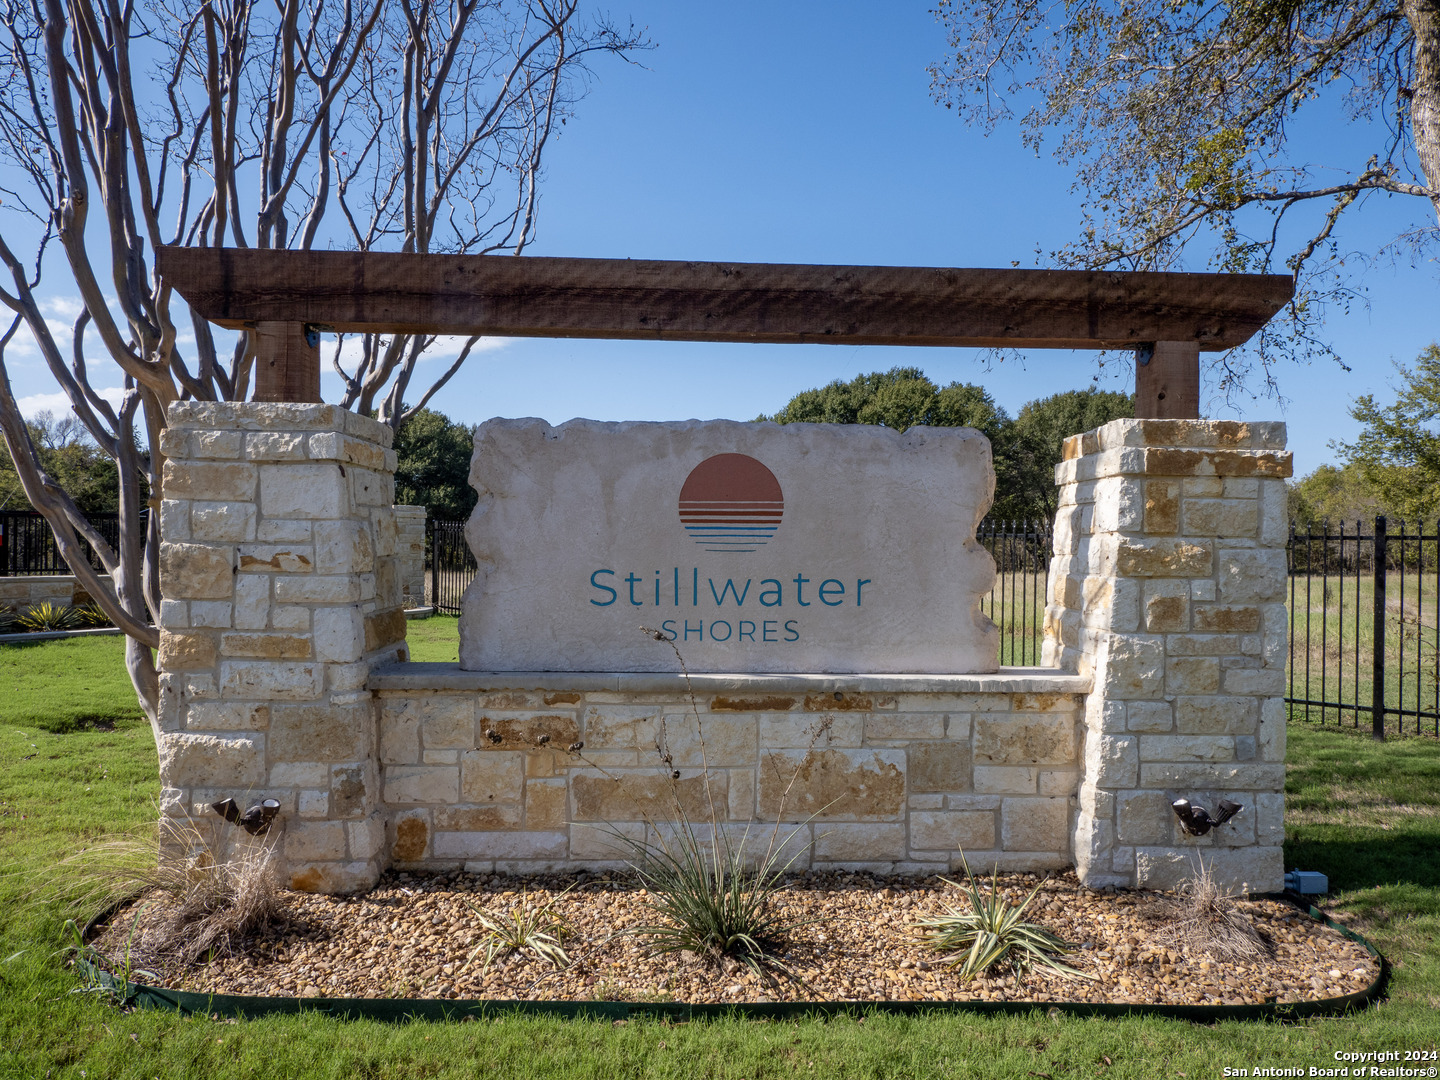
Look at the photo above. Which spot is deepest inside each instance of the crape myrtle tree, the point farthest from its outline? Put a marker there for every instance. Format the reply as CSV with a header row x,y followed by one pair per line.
x,y
1178,116
70,457
404,125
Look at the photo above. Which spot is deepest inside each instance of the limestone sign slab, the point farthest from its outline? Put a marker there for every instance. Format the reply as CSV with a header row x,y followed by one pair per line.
x,y
756,547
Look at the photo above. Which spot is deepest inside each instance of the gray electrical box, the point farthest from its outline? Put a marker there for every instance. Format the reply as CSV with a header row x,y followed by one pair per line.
x,y
1307,882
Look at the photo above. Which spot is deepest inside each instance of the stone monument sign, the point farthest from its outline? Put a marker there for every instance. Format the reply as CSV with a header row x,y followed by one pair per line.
x,y
763,547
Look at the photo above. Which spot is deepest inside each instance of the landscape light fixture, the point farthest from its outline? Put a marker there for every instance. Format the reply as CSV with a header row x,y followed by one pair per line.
x,y
1196,820
255,820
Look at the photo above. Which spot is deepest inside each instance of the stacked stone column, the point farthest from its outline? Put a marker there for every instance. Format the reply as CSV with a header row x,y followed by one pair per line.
x,y
1167,588
281,590
410,525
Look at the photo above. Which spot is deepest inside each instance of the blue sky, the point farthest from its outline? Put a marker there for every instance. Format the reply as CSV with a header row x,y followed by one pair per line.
x,y
800,131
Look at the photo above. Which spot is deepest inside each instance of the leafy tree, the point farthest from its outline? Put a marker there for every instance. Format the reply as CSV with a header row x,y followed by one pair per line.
x,y
433,466
1025,450
899,398
403,125
1177,116
70,458
1398,451
1034,447
1333,495
902,398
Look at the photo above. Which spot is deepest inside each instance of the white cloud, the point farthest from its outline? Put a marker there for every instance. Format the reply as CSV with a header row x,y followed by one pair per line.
x,y
63,307
443,351
58,403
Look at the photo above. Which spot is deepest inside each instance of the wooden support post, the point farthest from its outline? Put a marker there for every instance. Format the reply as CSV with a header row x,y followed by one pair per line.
x,y
287,362
1167,381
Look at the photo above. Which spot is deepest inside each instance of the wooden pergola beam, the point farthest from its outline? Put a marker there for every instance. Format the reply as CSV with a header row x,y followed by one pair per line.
x,y
503,296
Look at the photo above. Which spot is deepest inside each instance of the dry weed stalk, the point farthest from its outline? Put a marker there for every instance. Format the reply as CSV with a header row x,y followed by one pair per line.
x,y
713,898
1203,917
197,903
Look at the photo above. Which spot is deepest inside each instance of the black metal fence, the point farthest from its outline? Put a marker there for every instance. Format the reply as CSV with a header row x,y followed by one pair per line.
x,y
27,546
1365,626
450,563
1016,605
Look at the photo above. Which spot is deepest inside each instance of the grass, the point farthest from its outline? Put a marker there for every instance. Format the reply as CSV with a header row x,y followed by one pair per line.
x,y
66,685
434,640
1366,814
1017,605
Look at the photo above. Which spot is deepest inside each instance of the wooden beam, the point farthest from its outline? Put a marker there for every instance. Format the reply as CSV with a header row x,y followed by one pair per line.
x,y
1167,381
287,362
375,292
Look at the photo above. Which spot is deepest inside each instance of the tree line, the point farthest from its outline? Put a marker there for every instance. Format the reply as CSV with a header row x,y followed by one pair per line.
x,y
1392,467
1025,447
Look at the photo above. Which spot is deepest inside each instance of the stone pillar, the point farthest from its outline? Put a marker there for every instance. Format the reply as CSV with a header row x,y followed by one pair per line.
x,y
1168,588
410,524
280,587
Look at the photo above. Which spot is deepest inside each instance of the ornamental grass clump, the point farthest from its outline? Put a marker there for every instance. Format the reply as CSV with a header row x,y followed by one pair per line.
x,y
197,903
992,932
1204,917
534,928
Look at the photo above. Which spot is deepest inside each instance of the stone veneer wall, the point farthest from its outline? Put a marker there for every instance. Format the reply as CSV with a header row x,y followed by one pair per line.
x,y
410,525
1167,587
898,782
280,586
28,590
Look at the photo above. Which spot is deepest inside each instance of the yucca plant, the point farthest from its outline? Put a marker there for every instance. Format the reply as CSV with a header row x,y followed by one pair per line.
x,y
711,902
8,617
530,927
90,615
48,616
712,899
993,931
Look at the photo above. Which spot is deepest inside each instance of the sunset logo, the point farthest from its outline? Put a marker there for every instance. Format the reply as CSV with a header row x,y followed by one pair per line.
x,y
731,502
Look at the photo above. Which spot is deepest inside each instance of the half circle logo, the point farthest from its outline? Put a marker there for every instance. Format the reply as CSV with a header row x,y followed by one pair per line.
x,y
731,502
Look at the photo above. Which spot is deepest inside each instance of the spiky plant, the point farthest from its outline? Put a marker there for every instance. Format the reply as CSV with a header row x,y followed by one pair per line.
x,y
90,615
713,895
48,616
993,931
711,899
529,927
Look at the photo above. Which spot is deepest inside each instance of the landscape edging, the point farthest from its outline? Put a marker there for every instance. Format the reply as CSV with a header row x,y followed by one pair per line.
x,y
52,635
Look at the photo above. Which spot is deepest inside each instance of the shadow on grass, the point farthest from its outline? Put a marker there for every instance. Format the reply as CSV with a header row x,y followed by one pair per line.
x,y
1376,859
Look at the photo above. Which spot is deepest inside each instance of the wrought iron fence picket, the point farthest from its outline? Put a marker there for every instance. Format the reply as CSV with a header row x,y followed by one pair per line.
x,y
28,548
1335,675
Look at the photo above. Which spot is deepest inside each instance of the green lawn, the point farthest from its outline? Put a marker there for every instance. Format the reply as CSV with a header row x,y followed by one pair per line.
x,y
434,640
1017,606
1366,814
67,684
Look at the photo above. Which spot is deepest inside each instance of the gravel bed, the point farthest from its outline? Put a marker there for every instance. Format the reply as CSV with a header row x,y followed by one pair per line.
x,y
413,935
